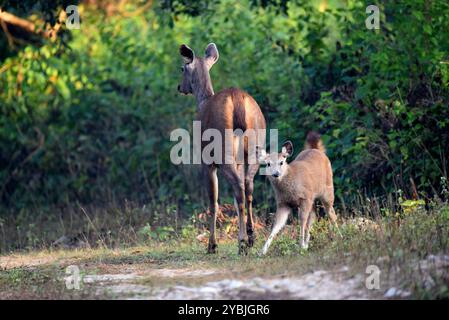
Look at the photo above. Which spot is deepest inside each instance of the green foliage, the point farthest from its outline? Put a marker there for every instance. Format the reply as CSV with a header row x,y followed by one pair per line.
x,y
189,233
411,205
158,233
285,245
91,122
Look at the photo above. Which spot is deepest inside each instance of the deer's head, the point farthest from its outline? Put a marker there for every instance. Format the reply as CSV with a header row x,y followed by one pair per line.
x,y
276,162
195,70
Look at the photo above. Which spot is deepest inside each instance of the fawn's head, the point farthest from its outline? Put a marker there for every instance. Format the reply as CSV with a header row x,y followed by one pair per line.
x,y
276,162
195,70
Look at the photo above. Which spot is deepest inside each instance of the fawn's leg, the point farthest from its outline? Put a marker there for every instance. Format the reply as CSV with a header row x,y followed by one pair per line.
x,y
279,222
329,208
310,220
235,179
328,204
304,213
212,188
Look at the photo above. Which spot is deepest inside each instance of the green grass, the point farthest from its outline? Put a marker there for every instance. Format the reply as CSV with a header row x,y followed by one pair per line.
x,y
396,243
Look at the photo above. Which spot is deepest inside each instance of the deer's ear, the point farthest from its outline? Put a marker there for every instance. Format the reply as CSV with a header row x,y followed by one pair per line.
x,y
287,149
211,54
261,155
187,54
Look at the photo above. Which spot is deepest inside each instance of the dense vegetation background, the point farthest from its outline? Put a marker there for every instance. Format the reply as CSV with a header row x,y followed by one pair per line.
x,y
85,118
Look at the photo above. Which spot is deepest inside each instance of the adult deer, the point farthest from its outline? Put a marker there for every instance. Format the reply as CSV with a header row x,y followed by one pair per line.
x,y
230,109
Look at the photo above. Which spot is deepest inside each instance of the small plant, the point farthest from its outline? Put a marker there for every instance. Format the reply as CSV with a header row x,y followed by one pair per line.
x,y
189,232
285,245
320,234
409,206
158,233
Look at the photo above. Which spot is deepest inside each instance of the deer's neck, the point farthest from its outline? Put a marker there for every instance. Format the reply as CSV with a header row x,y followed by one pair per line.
x,y
204,90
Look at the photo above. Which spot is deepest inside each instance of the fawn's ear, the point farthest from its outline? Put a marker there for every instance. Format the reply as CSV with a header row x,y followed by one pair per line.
x,y
211,55
287,149
261,155
187,54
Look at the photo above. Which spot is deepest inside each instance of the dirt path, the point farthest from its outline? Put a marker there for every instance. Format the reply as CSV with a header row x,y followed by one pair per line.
x,y
163,273
136,274
314,285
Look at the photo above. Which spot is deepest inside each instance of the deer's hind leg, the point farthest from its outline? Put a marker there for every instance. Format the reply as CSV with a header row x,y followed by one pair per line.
x,y
328,203
236,180
310,220
249,188
306,218
212,188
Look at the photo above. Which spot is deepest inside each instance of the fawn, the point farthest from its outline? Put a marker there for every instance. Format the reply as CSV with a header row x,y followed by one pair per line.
x,y
299,183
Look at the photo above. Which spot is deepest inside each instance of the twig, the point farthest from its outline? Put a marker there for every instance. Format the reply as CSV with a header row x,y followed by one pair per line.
x,y
4,68
8,35
92,224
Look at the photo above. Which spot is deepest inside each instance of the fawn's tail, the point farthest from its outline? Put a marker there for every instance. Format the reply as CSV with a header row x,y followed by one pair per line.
x,y
313,141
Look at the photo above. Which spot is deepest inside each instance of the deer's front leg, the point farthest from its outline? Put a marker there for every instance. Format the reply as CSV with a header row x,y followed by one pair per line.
x,y
280,219
212,188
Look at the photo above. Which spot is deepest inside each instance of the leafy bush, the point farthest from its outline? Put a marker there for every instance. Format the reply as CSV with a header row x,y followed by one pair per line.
x,y
90,122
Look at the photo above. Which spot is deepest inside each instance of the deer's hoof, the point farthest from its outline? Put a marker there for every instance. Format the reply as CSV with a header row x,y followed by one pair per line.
x,y
243,247
212,248
251,238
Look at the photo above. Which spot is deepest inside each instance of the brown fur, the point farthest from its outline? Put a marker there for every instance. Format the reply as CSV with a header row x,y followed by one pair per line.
x,y
229,109
313,141
305,179
233,109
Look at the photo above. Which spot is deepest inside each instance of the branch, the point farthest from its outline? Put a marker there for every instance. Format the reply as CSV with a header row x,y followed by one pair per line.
x,y
28,26
16,21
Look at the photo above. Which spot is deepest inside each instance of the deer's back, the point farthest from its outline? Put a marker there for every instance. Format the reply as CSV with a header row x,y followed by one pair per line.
x,y
231,109
313,168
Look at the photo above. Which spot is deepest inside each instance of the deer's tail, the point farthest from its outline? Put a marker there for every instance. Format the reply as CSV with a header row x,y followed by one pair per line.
x,y
313,141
